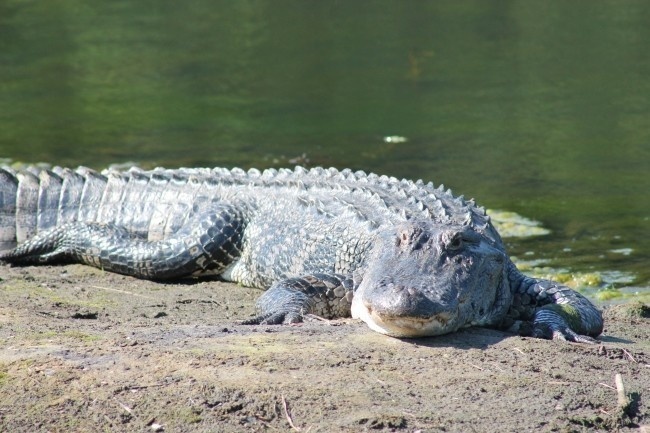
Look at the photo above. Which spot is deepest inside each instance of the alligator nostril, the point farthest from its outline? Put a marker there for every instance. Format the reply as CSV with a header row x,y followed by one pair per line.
x,y
403,301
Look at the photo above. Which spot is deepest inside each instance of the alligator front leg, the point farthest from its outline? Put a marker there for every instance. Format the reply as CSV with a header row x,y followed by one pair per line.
x,y
290,300
209,240
557,311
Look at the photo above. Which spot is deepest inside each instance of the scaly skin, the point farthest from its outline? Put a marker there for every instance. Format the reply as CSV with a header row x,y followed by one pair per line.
x,y
407,258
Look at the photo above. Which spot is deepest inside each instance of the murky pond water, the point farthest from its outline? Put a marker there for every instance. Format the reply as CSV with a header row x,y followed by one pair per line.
x,y
541,108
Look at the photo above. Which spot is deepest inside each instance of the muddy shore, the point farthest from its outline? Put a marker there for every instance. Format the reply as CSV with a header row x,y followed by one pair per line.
x,y
84,350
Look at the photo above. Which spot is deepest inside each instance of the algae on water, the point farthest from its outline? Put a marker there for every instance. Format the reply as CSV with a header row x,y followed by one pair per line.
x,y
513,225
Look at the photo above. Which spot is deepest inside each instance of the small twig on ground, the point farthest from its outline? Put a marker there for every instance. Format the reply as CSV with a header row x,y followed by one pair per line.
x,y
604,384
519,350
136,387
125,407
620,390
629,355
476,366
286,413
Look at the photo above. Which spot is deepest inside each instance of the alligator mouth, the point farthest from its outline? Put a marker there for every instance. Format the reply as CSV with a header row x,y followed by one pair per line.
x,y
403,326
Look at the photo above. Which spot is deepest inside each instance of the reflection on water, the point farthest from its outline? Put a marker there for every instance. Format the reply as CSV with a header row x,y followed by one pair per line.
x,y
535,107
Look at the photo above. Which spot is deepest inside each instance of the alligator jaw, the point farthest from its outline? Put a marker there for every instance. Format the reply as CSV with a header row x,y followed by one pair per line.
x,y
405,327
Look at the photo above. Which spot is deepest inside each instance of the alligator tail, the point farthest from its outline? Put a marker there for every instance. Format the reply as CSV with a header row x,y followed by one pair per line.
x,y
35,199
151,205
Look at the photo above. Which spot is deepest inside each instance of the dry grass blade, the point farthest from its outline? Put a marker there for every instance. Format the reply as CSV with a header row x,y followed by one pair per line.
x,y
286,413
629,355
125,407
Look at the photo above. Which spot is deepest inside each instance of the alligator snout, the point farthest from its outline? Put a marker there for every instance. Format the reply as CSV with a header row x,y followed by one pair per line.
x,y
397,301
404,311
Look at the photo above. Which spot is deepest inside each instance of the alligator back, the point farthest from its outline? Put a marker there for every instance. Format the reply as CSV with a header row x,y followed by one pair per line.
x,y
154,204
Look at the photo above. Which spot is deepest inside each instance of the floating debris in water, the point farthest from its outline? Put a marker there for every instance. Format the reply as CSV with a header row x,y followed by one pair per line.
x,y
123,166
624,251
300,159
395,139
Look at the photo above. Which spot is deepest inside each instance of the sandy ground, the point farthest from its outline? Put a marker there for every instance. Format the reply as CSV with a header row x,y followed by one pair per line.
x,y
84,351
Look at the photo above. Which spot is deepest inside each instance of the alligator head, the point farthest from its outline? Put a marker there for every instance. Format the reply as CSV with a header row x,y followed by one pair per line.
x,y
424,279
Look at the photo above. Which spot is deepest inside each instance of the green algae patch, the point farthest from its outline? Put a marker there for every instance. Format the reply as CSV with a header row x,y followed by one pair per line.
x,y
608,295
513,225
574,280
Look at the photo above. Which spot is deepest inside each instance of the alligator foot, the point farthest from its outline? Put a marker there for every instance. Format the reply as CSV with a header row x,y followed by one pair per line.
x,y
289,301
279,318
555,322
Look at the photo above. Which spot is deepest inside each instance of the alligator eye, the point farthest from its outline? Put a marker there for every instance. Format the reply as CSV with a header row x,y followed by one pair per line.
x,y
456,242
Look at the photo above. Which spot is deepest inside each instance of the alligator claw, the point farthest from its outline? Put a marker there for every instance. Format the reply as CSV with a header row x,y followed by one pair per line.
x,y
554,323
562,334
279,318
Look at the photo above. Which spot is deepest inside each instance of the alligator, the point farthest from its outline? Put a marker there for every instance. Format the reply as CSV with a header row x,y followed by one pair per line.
x,y
407,258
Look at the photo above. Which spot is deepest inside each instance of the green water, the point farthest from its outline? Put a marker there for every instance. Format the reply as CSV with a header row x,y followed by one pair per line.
x,y
542,108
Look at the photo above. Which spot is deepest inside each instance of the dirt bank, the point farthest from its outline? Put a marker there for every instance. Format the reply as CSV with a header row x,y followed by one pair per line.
x,y
84,350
